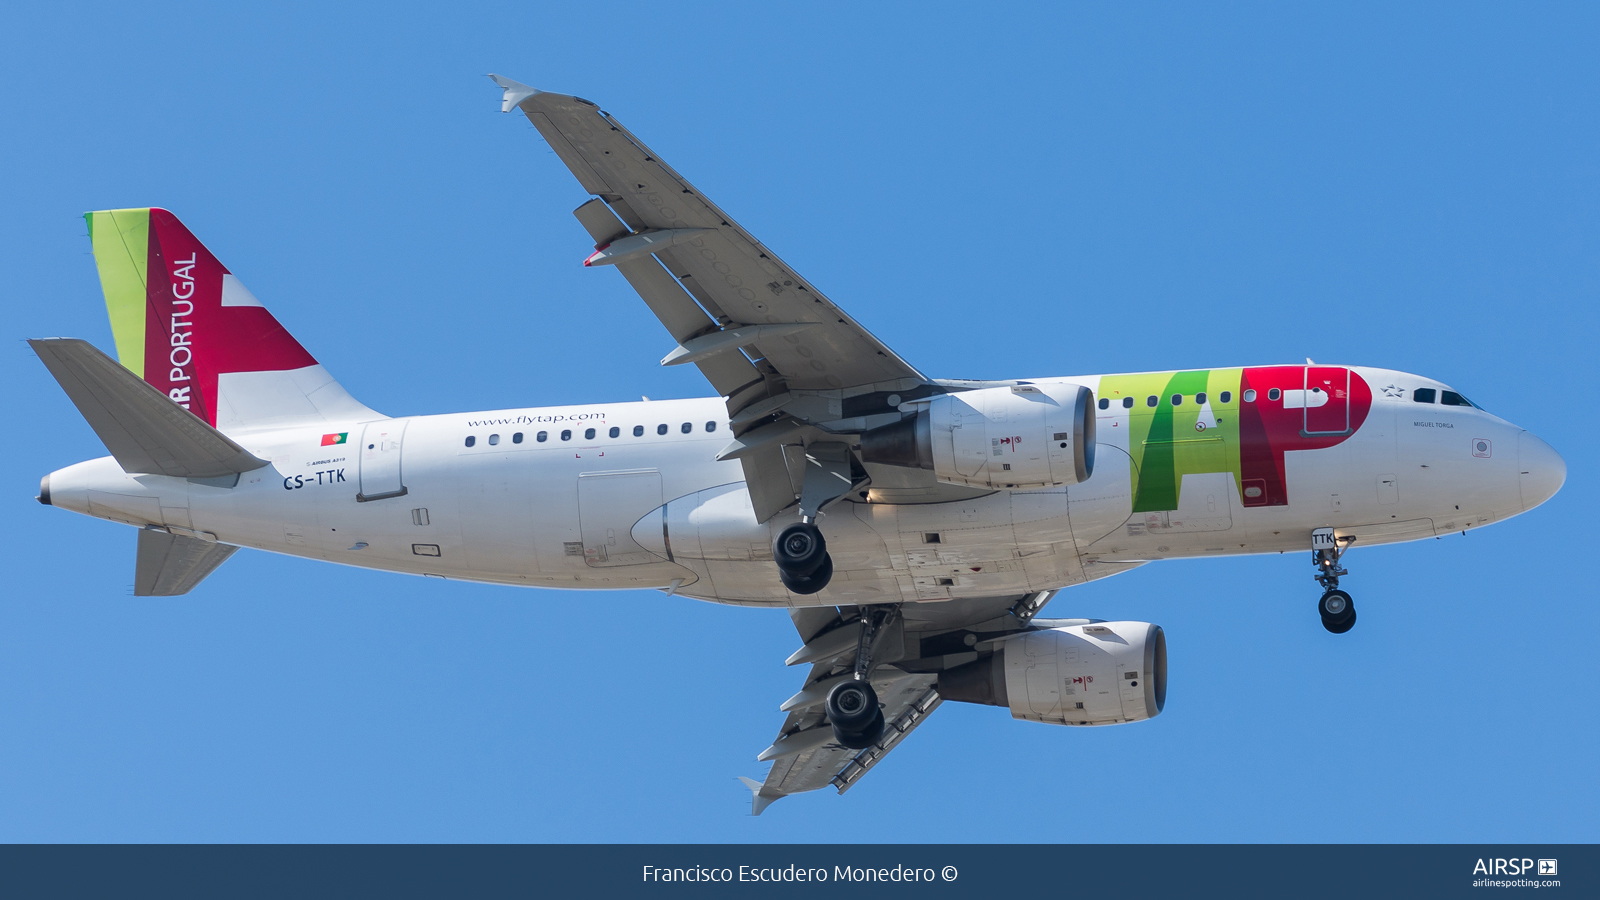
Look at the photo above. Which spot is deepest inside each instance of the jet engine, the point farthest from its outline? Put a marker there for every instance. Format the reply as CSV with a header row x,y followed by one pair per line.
x,y
1104,673
1022,436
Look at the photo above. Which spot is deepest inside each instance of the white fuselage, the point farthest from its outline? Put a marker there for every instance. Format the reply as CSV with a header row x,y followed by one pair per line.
x,y
657,510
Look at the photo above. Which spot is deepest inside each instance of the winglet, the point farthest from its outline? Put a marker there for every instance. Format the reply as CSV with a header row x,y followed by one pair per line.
x,y
515,92
757,801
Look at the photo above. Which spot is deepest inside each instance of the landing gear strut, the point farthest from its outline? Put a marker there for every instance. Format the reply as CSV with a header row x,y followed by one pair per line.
x,y
1337,610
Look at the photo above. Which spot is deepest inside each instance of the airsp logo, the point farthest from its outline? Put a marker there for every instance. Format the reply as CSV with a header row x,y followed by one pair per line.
x,y
1547,867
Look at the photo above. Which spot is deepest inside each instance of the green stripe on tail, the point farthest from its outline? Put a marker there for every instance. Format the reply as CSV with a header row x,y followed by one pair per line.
x,y
121,241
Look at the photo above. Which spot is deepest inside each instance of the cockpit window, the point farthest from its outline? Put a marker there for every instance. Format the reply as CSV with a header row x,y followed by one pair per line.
x,y
1424,395
1451,398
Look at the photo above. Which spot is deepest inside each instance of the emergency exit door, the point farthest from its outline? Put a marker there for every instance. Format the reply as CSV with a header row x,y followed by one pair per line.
x,y
1332,414
380,460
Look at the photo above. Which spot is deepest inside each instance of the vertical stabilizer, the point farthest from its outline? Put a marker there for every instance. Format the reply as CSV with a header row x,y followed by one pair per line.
x,y
191,329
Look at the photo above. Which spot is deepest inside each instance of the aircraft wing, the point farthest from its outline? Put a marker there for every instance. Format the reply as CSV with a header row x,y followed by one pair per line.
x,y
804,755
784,355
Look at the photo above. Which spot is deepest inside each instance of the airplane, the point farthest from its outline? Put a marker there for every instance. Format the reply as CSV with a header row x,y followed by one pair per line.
x,y
913,526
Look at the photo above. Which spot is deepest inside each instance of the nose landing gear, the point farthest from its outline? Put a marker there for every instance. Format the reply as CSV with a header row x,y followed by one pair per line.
x,y
1337,609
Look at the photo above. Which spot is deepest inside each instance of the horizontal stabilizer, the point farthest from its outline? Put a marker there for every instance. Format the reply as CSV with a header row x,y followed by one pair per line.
x,y
172,564
143,429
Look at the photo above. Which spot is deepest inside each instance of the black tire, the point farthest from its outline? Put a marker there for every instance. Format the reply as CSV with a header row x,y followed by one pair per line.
x,y
866,737
852,705
1341,627
1336,606
799,549
809,584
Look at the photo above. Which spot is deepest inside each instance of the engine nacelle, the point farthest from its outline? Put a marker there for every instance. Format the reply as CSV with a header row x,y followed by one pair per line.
x,y
1104,673
1023,436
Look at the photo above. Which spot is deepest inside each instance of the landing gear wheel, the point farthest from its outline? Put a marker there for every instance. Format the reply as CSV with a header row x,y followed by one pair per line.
x,y
1342,627
799,549
1338,611
866,737
809,584
851,705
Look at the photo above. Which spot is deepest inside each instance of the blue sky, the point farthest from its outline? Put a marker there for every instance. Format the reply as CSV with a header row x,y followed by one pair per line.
x,y
995,193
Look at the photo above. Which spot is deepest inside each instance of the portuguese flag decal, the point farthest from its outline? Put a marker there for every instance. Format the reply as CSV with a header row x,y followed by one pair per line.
x,y
328,440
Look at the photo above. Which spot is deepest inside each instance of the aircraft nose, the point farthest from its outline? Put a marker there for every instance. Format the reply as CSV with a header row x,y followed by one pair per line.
x,y
1543,470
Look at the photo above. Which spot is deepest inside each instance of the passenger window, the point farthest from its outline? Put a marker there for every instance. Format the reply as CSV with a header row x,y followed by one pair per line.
x,y
1200,398
1451,398
1274,394
686,427
1105,403
471,440
638,430
1424,395
566,434
516,438
710,427
588,434
494,439
1152,400
1127,403
1249,396
661,429
1177,399
542,436
616,432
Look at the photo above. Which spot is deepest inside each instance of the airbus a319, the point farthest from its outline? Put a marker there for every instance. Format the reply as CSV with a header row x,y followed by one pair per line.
x,y
913,526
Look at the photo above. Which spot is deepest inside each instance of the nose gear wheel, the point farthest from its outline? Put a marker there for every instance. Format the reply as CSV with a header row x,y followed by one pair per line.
x,y
1337,609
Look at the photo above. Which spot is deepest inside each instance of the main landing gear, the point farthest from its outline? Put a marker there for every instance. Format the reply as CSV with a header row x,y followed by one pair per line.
x,y
852,706
804,565
1337,610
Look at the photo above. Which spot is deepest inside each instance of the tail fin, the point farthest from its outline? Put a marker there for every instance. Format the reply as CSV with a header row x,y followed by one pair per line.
x,y
187,326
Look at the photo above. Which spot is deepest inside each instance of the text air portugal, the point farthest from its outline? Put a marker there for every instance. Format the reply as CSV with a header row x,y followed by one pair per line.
x,y
190,337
